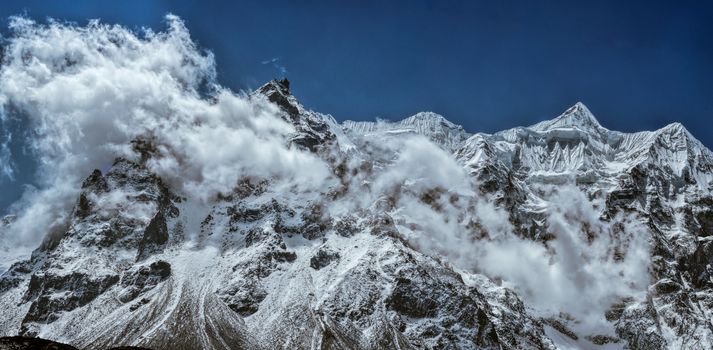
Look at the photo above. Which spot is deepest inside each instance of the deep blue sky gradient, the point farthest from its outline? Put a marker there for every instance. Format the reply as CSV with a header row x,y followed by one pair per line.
x,y
491,65
486,65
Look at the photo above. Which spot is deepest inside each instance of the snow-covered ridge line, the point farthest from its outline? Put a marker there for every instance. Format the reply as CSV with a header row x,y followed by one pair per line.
x,y
434,126
576,123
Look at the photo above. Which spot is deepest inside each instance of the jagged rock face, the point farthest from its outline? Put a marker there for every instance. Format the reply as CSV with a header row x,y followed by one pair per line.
x,y
81,288
140,279
323,258
103,241
312,129
265,268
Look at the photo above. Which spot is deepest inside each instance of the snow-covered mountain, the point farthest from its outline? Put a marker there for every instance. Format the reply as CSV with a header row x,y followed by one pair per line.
x,y
562,235
434,126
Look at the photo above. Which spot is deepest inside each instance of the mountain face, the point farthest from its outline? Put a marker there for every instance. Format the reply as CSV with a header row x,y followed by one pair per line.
x,y
267,267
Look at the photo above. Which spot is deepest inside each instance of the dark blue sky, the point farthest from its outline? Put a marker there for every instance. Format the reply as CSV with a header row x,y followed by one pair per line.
x,y
486,65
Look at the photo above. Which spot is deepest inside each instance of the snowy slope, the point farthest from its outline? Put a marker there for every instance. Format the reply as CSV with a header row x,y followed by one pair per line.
x,y
393,252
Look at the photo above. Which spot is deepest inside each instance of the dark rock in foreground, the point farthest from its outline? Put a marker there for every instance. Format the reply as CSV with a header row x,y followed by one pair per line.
x,y
25,343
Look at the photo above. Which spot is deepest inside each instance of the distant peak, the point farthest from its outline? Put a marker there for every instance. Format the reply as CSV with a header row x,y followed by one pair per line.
x,y
675,126
676,129
428,117
579,108
284,82
577,116
281,86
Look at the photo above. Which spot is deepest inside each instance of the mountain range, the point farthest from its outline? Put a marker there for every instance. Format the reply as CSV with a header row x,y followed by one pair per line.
x,y
559,235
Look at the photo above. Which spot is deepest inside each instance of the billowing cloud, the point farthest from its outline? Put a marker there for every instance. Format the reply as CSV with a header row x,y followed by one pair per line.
x,y
87,92
588,266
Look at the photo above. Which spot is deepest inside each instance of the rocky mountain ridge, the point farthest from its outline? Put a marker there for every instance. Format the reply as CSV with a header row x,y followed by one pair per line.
x,y
265,267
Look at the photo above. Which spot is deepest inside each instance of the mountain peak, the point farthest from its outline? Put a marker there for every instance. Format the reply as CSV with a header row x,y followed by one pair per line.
x,y
428,117
675,127
437,128
276,86
577,117
677,132
278,92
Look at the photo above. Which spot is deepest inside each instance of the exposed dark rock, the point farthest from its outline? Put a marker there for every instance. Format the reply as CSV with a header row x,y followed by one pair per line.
x,y
277,91
487,333
142,279
51,294
699,264
666,286
312,132
602,339
145,147
413,300
322,258
95,182
14,275
84,207
315,221
139,304
244,298
346,226
383,225
637,326
561,327
155,236
245,293
29,343
432,198
242,214
616,310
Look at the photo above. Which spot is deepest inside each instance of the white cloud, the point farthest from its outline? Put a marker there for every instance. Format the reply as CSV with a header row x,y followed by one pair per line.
x,y
86,92
574,273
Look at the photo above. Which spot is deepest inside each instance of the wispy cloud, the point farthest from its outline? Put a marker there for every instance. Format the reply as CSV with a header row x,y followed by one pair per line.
x,y
275,63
